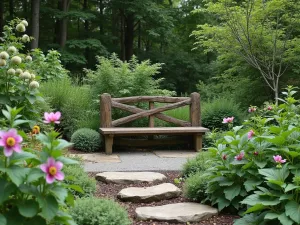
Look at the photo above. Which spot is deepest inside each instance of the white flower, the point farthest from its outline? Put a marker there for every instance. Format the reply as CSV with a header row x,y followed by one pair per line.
x,y
12,49
28,58
26,75
16,60
19,71
4,55
25,38
34,84
25,23
2,62
11,71
21,27
32,76
22,76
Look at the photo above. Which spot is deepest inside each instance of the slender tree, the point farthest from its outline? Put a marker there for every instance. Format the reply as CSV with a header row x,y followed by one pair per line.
x,y
35,24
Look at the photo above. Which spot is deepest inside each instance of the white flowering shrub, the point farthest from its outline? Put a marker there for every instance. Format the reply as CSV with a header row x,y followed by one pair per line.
x,y
19,80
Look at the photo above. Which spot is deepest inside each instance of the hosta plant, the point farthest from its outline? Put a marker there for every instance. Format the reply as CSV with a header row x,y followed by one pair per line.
x,y
31,187
256,165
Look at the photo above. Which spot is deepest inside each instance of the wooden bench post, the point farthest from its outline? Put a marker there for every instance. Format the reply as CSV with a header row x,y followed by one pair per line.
x,y
195,115
106,120
151,120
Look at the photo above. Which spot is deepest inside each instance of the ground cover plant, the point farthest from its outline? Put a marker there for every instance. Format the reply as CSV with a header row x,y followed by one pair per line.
x,y
255,168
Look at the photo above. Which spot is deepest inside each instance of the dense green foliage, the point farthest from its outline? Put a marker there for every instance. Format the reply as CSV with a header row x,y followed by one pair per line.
x,y
213,112
77,176
93,211
198,164
195,186
75,103
30,192
86,140
255,166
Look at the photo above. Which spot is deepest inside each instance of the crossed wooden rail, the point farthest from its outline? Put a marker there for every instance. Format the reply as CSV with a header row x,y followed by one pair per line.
x,y
109,128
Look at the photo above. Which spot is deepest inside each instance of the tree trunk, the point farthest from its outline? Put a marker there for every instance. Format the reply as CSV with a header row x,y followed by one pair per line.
x,y
63,26
11,9
129,36
122,34
86,31
35,23
1,17
101,6
25,9
139,36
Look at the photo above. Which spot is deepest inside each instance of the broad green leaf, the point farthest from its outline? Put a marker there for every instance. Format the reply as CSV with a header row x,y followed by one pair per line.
x,y
256,199
257,207
251,184
237,128
6,189
63,144
277,182
275,174
292,209
277,140
285,220
2,220
248,165
232,191
60,192
19,122
67,161
17,174
228,139
260,163
28,208
75,188
22,156
290,187
222,203
37,220
49,207
34,175
271,216
251,219
293,154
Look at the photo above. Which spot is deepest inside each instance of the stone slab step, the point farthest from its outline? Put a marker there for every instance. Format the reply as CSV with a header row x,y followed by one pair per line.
x,y
149,194
130,177
178,212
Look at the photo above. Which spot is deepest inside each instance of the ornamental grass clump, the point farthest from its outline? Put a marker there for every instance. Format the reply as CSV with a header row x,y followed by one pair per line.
x,y
255,166
31,182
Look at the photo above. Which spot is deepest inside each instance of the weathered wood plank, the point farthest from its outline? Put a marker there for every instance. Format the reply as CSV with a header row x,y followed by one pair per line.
x,y
161,99
146,113
195,109
154,130
151,117
105,110
134,109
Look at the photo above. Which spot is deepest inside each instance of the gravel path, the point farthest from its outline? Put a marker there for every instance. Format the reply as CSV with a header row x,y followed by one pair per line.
x,y
137,161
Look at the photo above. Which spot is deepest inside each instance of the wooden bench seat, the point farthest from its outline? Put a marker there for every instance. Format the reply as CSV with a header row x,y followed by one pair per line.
x,y
109,133
109,128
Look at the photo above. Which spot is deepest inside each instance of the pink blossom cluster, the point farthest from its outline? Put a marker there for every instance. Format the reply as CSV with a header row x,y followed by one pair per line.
x,y
228,120
252,109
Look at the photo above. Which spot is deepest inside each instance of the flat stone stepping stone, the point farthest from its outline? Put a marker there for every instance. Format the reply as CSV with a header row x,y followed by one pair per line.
x,y
178,212
149,194
130,177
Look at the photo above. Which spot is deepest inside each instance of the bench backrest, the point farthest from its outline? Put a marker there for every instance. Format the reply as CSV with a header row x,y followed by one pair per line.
x,y
107,103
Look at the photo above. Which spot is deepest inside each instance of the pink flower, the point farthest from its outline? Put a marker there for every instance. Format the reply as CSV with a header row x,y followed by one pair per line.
x,y
255,153
10,140
278,159
250,134
224,157
52,170
252,109
228,120
240,156
52,117
269,108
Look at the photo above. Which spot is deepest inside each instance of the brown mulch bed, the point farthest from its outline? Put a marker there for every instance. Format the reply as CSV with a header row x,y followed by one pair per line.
x,y
111,191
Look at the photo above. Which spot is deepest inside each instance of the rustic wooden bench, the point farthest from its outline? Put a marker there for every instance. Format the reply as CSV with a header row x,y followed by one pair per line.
x,y
109,127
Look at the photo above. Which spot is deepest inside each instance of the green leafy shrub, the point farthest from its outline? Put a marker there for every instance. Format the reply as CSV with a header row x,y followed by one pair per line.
x,y
213,112
256,166
75,103
200,163
93,211
86,140
195,186
77,176
19,81
32,191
